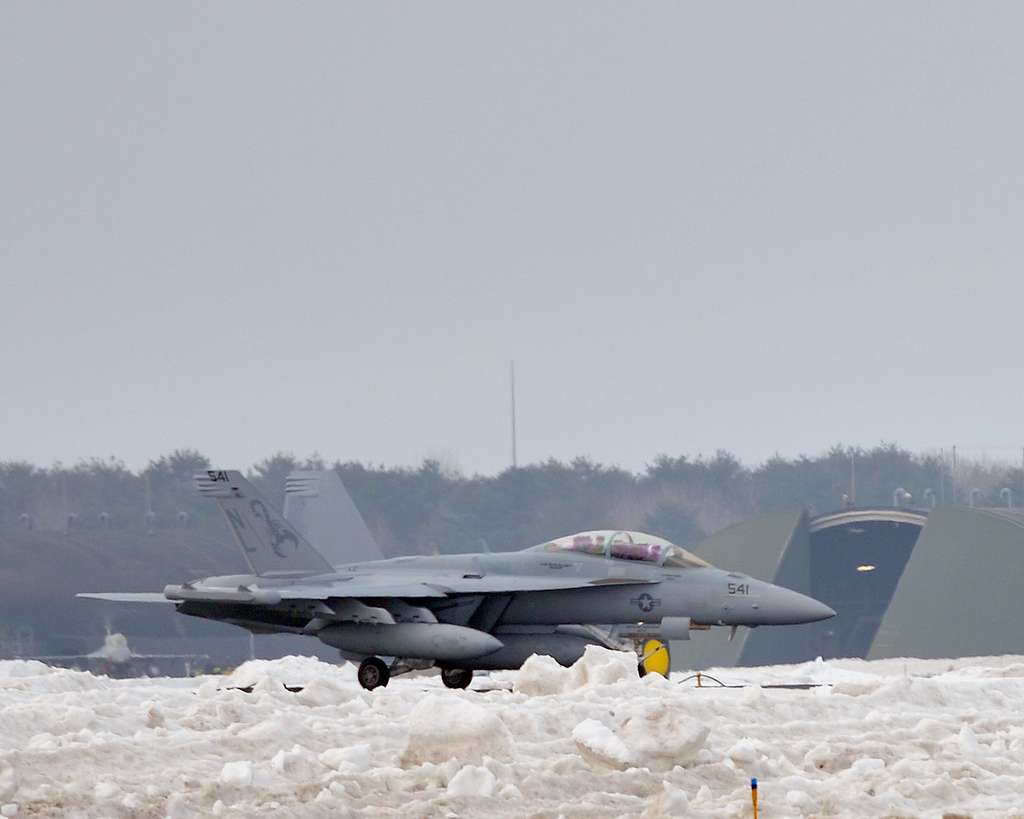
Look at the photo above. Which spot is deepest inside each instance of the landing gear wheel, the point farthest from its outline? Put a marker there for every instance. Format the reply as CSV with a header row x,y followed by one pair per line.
x,y
456,677
373,673
640,669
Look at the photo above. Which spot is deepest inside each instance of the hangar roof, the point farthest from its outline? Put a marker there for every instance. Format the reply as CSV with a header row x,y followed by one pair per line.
x,y
845,517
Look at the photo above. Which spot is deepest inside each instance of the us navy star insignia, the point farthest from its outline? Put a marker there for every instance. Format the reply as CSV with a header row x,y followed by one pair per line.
x,y
645,602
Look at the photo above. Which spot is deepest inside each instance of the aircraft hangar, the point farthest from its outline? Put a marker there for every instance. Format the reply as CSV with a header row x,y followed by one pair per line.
x,y
941,582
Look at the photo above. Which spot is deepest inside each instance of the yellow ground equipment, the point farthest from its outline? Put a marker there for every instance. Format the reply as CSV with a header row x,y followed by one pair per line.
x,y
654,658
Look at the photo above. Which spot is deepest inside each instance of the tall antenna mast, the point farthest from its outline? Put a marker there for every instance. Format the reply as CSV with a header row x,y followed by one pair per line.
x,y
853,476
512,390
952,475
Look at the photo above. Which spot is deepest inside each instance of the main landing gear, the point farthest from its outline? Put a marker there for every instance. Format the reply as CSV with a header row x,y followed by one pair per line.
x,y
373,673
456,677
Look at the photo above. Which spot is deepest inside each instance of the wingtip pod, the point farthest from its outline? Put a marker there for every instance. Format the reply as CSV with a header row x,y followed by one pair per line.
x,y
259,597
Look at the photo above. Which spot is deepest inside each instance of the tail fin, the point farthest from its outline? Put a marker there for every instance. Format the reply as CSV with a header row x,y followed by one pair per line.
x,y
269,544
317,504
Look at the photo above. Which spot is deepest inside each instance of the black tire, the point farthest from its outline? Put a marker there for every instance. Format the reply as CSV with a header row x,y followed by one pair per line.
x,y
640,669
456,677
373,673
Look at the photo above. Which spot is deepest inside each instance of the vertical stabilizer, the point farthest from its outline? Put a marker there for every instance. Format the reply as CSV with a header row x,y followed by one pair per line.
x,y
319,506
269,543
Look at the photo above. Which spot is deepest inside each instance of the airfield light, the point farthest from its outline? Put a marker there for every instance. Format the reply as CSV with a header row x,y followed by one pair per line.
x,y
866,567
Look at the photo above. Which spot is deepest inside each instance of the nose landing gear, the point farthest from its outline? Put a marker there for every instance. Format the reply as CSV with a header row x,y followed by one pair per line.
x,y
373,673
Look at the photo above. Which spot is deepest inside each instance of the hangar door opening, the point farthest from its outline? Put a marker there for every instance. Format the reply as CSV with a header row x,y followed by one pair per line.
x,y
856,560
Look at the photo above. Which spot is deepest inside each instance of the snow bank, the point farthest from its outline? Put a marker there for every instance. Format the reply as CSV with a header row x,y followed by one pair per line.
x,y
652,737
236,773
894,737
292,671
451,726
661,738
598,743
541,675
16,669
602,666
472,781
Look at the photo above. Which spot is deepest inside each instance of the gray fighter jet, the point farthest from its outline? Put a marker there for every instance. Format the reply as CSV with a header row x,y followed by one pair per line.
x,y
461,612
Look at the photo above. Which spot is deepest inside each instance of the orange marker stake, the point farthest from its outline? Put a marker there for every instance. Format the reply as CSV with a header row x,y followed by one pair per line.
x,y
753,795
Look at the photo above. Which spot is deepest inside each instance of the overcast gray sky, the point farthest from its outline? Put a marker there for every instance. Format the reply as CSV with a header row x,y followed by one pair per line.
x,y
324,226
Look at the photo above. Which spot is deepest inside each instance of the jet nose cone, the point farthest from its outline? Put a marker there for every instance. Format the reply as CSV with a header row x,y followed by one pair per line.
x,y
819,611
787,607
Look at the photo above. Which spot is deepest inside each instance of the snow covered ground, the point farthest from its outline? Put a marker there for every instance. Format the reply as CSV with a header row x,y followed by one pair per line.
x,y
888,738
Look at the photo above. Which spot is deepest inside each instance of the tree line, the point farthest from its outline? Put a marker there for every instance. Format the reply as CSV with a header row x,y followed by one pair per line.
x,y
429,507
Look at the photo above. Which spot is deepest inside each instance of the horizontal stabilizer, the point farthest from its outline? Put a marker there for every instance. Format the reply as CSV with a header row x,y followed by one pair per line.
x,y
126,597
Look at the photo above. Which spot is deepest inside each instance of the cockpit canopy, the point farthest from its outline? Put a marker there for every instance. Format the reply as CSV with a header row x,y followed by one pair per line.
x,y
626,546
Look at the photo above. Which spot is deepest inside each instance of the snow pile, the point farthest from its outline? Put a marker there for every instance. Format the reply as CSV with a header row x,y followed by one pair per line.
x,y
601,666
8,782
541,675
272,675
353,759
893,737
662,738
447,726
16,669
598,744
651,736
236,773
472,781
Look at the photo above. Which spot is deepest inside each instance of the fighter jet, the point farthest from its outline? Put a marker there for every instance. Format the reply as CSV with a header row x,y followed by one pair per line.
x,y
464,612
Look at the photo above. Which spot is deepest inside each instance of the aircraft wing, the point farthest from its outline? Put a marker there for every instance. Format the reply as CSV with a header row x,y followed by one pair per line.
x,y
126,597
266,597
320,591
358,587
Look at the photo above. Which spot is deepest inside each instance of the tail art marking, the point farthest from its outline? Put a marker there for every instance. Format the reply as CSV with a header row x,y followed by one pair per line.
x,y
278,534
269,543
235,519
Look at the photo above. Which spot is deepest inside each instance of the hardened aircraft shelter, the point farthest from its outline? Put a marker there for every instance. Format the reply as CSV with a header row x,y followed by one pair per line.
x,y
942,582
